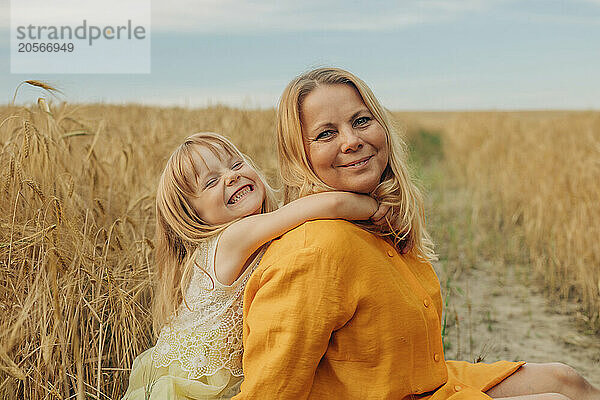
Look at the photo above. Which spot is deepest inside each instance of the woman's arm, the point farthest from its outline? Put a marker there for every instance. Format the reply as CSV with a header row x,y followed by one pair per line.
x,y
241,239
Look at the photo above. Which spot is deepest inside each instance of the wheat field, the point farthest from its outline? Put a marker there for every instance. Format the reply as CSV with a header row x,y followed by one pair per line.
x,y
77,216
533,175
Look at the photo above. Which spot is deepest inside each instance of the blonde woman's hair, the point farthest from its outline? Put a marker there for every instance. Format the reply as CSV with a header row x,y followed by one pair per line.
x,y
179,229
396,188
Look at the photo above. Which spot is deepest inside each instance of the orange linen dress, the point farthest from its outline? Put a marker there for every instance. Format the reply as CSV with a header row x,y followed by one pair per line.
x,y
334,312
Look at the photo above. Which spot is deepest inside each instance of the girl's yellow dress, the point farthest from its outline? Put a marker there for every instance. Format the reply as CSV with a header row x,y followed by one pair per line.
x,y
198,355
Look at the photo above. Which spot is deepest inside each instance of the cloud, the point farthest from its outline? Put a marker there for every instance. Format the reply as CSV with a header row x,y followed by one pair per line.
x,y
68,12
553,19
234,16
255,16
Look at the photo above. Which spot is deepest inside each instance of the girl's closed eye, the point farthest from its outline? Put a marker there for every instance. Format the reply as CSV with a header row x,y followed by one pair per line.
x,y
210,183
237,164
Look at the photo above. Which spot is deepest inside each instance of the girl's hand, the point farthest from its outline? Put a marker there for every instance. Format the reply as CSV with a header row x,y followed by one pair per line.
x,y
350,206
383,211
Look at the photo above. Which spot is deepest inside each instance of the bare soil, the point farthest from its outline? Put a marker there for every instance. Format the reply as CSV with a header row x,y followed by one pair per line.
x,y
494,313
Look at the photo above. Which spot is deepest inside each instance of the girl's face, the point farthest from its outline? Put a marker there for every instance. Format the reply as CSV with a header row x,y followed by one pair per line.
x,y
346,146
227,187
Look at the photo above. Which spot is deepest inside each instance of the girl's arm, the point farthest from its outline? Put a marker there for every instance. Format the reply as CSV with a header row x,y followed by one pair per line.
x,y
242,238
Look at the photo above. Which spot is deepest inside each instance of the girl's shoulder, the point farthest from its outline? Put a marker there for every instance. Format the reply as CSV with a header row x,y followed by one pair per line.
x,y
204,255
204,273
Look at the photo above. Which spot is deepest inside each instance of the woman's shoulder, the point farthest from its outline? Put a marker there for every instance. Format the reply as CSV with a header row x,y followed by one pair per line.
x,y
334,229
329,235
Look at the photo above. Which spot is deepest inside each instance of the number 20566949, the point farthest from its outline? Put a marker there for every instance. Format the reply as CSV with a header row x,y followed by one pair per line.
x,y
46,47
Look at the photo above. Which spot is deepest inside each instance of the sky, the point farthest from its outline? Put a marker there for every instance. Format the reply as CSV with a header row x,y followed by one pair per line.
x,y
414,54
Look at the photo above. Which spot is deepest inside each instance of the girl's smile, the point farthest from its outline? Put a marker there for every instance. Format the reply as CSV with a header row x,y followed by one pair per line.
x,y
240,194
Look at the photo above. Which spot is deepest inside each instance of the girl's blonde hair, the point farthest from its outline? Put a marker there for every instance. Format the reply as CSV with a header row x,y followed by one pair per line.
x,y
179,228
396,187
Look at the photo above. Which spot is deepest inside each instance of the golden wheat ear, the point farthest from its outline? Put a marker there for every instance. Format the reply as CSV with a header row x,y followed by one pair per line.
x,y
43,85
43,105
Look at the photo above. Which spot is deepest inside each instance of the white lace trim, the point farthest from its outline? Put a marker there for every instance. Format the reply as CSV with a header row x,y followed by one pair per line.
x,y
206,337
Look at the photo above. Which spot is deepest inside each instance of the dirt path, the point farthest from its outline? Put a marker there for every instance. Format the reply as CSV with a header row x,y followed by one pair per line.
x,y
501,317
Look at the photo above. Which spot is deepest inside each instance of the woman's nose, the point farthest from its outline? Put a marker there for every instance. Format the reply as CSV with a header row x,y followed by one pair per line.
x,y
350,141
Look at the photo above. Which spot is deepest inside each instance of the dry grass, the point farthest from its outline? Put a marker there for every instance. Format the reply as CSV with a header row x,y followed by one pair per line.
x,y
77,216
536,175
533,179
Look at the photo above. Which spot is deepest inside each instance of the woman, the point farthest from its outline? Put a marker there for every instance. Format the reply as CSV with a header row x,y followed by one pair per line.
x,y
345,312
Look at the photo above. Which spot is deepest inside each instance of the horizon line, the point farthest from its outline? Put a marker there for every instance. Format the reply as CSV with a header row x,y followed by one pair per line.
x,y
242,108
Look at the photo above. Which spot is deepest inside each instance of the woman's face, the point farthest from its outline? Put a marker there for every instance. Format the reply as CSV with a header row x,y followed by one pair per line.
x,y
346,146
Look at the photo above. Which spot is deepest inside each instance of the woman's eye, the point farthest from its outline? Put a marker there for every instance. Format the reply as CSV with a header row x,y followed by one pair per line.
x,y
325,135
237,165
361,121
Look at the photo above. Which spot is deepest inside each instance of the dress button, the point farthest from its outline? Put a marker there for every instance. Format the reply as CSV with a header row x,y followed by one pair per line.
x,y
436,357
458,388
390,253
426,302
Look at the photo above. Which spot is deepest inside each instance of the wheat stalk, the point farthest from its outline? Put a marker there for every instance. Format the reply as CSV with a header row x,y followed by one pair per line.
x,y
36,189
58,210
26,138
42,85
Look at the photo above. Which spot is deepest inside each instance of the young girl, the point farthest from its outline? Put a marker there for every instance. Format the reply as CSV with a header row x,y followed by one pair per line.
x,y
215,217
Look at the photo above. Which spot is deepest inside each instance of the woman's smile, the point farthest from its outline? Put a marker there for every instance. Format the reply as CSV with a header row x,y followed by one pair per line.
x,y
357,164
